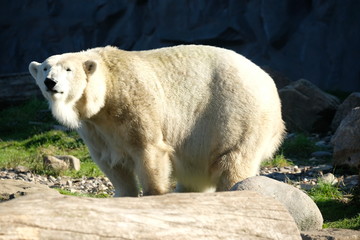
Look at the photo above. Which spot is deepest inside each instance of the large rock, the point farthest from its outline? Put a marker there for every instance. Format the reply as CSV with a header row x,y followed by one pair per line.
x,y
352,101
307,108
210,216
346,141
302,208
303,39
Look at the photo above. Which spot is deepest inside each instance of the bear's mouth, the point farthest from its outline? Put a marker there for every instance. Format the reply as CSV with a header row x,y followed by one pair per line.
x,y
53,91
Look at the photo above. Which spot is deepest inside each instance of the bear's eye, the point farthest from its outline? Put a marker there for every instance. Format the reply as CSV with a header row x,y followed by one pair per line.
x,y
68,69
45,69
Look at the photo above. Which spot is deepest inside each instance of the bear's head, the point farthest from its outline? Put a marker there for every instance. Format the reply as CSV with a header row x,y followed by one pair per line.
x,y
63,80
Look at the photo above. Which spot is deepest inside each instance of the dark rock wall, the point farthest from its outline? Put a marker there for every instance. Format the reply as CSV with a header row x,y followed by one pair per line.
x,y
314,39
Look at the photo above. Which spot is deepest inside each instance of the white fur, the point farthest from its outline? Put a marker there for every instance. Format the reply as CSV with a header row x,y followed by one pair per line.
x,y
206,115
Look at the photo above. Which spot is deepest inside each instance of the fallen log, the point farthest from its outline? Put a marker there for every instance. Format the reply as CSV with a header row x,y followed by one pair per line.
x,y
222,215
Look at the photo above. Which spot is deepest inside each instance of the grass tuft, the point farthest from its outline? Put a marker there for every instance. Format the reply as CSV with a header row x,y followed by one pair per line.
x,y
68,193
298,146
337,211
278,161
324,191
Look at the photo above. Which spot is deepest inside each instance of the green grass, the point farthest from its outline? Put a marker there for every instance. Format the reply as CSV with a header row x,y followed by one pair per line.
x,y
23,143
347,223
68,193
299,146
30,152
337,211
325,191
26,120
278,161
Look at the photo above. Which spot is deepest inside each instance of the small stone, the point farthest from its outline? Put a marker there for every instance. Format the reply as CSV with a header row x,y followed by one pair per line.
x,y
21,169
306,187
329,178
23,176
322,168
296,169
52,179
102,187
55,163
321,154
321,144
73,162
313,159
285,170
69,183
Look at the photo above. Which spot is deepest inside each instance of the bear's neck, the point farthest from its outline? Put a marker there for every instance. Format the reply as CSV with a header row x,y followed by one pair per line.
x,y
66,114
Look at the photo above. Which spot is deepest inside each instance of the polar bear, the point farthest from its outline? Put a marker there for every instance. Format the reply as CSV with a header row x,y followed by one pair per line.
x,y
204,115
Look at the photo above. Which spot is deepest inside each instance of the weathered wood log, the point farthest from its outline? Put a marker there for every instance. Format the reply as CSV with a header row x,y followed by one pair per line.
x,y
16,88
226,215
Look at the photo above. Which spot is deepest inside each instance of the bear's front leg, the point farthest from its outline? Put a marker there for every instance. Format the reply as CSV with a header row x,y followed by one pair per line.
x,y
124,182
153,168
122,179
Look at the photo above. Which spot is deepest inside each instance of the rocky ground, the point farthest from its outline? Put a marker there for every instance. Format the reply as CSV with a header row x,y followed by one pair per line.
x,y
304,177
301,176
84,185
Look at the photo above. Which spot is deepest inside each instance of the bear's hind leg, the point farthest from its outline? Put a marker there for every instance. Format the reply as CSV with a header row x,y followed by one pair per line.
x,y
234,167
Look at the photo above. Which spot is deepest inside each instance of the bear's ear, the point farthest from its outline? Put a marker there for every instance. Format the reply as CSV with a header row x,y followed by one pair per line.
x,y
90,67
33,68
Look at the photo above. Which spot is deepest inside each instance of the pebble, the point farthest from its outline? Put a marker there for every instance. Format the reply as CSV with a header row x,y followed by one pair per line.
x,y
303,177
329,178
84,185
321,154
324,168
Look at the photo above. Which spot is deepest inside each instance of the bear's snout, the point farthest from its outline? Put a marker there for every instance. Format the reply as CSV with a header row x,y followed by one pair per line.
x,y
50,84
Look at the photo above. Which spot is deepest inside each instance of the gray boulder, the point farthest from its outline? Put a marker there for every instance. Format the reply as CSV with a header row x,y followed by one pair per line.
x,y
307,108
302,208
352,101
346,141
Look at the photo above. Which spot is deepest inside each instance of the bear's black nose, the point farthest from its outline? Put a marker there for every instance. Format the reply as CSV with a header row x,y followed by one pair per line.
x,y
49,83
